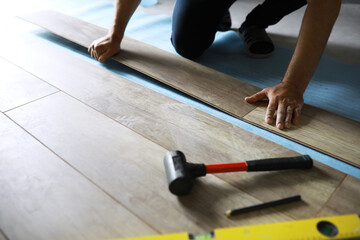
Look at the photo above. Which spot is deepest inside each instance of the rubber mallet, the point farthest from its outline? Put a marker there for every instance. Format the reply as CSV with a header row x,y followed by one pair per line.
x,y
181,174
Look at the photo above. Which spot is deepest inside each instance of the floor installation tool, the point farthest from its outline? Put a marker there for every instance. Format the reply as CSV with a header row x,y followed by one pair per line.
x,y
274,203
181,174
337,227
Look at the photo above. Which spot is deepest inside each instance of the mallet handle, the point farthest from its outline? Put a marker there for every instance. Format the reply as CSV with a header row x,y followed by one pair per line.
x,y
226,167
273,164
269,164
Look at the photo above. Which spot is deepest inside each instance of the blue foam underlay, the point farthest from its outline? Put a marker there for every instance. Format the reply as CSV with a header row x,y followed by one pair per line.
x,y
334,86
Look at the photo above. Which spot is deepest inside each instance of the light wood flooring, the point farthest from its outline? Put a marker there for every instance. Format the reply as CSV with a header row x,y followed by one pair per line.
x,y
81,157
326,132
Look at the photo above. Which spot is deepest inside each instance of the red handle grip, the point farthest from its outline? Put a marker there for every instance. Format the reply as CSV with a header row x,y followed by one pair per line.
x,y
226,167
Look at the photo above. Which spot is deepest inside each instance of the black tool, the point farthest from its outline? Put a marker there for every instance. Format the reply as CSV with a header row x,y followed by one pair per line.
x,y
274,203
181,174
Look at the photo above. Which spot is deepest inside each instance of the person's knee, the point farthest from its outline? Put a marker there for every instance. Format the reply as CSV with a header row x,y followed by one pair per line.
x,y
188,48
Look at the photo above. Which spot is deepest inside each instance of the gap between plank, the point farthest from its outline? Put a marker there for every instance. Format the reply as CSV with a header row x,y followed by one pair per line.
x,y
28,73
333,194
21,105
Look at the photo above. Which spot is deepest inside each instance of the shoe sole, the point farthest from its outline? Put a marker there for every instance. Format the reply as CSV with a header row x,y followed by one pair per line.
x,y
250,54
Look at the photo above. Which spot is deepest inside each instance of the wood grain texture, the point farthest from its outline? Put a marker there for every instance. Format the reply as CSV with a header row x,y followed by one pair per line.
x,y
42,197
323,131
174,125
217,89
346,199
130,168
18,87
206,84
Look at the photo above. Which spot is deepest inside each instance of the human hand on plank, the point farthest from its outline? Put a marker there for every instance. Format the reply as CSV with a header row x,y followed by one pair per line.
x,y
287,97
107,46
285,102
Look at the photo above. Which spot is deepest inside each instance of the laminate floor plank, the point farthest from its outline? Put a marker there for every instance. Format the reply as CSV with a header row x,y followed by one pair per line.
x,y
42,197
18,87
217,89
174,125
323,131
346,199
209,85
130,167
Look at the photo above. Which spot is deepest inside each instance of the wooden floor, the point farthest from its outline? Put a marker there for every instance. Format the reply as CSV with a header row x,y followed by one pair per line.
x,y
81,157
326,132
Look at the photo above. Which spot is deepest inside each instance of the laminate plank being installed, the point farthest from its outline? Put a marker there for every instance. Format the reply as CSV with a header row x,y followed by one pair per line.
x,y
130,168
210,86
333,139
217,89
42,197
19,87
175,125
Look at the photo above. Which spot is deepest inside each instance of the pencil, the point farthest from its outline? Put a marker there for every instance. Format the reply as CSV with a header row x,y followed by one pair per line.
x,y
237,211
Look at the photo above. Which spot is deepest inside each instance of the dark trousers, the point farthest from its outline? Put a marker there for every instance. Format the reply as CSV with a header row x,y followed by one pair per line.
x,y
195,22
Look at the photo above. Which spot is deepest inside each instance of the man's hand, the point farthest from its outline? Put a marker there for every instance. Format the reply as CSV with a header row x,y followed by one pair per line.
x,y
285,100
105,47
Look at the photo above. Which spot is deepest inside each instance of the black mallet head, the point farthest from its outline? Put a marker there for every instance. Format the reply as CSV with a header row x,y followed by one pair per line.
x,y
180,174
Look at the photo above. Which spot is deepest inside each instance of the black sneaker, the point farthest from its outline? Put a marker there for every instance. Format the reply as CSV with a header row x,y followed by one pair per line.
x,y
256,41
225,23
